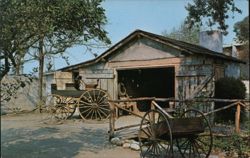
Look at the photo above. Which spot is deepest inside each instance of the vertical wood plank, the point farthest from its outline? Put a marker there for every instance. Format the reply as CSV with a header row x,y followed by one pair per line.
x,y
237,119
111,88
176,81
152,105
112,121
115,84
104,84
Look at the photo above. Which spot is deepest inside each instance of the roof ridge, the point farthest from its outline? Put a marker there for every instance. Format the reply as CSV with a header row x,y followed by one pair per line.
x,y
182,45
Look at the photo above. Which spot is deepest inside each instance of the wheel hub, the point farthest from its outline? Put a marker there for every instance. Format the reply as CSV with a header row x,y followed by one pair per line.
x,y
95,106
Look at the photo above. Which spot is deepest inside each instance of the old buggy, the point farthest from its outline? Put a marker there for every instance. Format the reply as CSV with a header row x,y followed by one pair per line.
x,y
165,133
92,103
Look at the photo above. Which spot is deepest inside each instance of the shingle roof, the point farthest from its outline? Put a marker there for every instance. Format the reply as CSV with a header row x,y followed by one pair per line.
x,y
181,45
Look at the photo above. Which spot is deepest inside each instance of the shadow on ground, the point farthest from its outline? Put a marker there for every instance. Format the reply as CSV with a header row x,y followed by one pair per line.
x,y
51,142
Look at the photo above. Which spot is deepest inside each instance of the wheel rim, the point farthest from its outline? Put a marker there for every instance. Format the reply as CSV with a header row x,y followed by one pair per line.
x,y
152,143
71,106
93,105
197,145
60,107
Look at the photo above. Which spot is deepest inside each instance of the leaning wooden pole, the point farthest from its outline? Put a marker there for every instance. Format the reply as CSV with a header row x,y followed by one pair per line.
x,y
237,119
112,121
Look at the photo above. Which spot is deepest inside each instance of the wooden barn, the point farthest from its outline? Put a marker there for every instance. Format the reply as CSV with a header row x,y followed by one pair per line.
x,y
144,64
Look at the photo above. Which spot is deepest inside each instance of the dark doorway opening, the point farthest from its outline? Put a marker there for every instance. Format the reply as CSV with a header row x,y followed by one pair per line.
x,y
148,82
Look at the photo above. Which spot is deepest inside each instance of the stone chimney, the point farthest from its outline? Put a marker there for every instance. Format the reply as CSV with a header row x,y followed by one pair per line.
x,y
211,40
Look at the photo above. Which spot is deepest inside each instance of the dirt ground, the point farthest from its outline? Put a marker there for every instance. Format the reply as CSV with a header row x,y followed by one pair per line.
x,y
29,136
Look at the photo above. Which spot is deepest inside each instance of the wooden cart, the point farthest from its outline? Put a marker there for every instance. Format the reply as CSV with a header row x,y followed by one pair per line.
x,y
92,103
186,134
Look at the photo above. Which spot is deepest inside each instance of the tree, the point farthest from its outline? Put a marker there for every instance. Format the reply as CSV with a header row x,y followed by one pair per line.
x,y
16,34
241,29
215,12
52,26
228,88
183,33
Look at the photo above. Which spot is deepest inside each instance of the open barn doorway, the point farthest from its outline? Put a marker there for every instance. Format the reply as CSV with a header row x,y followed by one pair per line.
x,y
147,82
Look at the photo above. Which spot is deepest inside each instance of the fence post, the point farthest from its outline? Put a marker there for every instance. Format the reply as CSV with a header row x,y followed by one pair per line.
x,y
111,121
237,119
152,107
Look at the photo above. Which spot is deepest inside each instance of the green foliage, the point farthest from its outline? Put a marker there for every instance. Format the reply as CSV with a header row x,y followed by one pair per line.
x,y
228,88
183,33
214,11
232,144
54,24
48,28
241,29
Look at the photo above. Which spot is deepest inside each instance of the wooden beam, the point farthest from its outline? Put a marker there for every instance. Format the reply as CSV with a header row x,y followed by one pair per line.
x,y
201,86
220,109
162,110
131,112
161,62
237,119
112,121
99,76
142,99
185,100
190,73
128,126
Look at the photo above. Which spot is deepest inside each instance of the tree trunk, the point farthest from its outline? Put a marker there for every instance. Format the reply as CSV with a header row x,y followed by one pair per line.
x,y
18,63
6,68
41,66
17,69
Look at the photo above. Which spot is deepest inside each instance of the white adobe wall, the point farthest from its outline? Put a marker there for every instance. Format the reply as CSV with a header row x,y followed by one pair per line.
x,y
18,93
246,82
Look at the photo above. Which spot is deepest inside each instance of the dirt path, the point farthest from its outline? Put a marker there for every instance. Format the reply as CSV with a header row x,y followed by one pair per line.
x,y
27,136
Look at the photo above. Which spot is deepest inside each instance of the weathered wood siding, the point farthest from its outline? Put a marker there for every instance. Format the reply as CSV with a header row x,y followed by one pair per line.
x,y
143,54
194,75
194,78
61,78
232,70
143,51
105,75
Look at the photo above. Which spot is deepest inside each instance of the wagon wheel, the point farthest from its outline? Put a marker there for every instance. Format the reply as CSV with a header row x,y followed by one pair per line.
x,y
93,105
196,145
155,136
71,106
60,107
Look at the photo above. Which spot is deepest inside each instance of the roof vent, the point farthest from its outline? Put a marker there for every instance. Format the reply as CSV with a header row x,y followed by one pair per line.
x,y
211,40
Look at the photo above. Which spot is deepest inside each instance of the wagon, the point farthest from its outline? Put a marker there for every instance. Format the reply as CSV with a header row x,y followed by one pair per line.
x,y
186,134
92,103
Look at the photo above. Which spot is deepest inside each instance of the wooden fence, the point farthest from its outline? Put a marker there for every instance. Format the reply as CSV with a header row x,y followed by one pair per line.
x,y
117,104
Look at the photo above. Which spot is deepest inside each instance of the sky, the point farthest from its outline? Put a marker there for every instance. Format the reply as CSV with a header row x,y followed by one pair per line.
x,y
155,16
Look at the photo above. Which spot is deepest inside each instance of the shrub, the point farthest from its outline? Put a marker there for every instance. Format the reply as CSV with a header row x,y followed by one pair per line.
x,y
228,88
233,144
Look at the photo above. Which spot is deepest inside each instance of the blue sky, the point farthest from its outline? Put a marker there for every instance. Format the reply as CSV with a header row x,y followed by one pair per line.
x,y
125,16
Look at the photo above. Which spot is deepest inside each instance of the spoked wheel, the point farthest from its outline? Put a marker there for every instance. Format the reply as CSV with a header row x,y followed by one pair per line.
x,y
60,107
155,136
93,105
196,145
71,106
